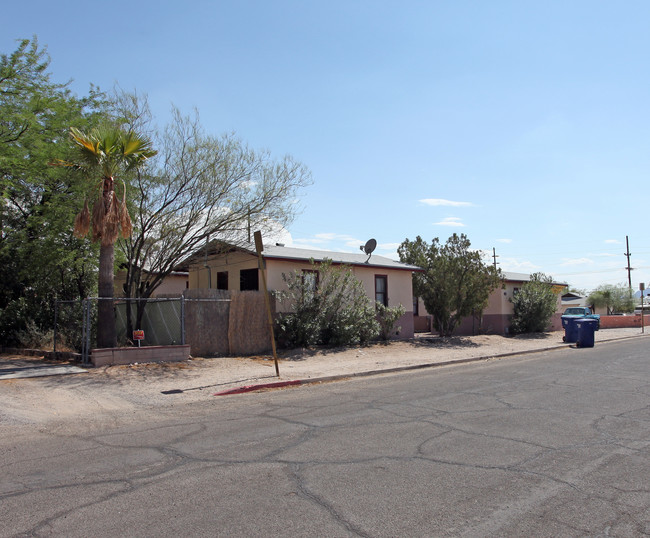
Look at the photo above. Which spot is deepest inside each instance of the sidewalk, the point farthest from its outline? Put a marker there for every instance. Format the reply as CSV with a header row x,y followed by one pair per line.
x,y
125,390
423,352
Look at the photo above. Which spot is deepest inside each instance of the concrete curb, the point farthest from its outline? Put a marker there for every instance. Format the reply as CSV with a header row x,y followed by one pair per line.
x,y
368,373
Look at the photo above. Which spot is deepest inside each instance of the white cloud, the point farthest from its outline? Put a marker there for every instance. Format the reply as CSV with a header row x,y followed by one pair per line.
x,y
334,237
515,265
330,241
613,242
450,221
576,261
504,240
442,202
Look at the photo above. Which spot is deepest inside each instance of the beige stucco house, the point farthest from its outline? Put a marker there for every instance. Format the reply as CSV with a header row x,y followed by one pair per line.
x,y
235,268
173,285
496,316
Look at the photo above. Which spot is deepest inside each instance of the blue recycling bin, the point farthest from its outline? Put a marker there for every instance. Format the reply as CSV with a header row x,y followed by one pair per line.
x,y
570,329
586,329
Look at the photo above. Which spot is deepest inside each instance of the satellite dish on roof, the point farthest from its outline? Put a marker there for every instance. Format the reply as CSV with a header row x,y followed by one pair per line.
x,y
369,247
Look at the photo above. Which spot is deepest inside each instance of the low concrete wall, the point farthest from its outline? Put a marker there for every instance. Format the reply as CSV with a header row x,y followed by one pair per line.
x,y
131,355
618,322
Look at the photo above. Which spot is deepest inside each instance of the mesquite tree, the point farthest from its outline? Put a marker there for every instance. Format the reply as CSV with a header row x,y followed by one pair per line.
x,y
455,282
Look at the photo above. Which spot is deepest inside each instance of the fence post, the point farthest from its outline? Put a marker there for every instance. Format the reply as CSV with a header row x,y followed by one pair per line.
x,y
84,331
182,320
87,331
56,315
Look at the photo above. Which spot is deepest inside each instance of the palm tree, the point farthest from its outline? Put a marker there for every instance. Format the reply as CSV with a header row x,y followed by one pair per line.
x,y
107,152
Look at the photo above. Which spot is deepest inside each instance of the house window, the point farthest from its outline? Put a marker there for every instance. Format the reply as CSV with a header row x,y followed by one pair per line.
x,y
222,280
515,291
249,279
381,289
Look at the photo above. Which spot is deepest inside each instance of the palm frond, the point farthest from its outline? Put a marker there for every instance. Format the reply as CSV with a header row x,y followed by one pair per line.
x,y
125,219
99,212
113,212
109,150
82,222
110,233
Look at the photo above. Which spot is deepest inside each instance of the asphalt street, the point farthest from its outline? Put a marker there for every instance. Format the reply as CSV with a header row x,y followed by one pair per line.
x,y
550,444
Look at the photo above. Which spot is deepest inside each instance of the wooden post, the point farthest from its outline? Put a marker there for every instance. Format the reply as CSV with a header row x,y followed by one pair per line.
x,y
259,247
642,289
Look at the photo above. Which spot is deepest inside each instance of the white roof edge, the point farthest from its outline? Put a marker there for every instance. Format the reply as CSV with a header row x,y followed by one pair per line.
x,y
349,258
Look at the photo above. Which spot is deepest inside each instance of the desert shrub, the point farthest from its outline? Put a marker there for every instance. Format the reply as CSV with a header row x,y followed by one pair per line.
x,y
387,318
33,337
534,305
328,306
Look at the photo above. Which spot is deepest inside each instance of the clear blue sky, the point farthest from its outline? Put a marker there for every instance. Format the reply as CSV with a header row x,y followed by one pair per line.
x,y
524,125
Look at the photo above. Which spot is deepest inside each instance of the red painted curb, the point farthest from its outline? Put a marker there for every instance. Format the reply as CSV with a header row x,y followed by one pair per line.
x,y
250,388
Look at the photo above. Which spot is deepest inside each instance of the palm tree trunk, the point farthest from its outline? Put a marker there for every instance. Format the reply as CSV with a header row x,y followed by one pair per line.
x,y
106,336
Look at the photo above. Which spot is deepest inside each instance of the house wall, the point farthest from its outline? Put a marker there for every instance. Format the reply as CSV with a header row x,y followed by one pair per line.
x,y
232,263
171,286
498,313
400,289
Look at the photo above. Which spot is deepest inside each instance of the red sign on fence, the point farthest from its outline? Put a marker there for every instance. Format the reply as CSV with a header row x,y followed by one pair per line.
x,y
138,335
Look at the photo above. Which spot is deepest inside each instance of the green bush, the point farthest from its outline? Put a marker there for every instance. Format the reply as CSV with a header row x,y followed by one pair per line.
x,y
328,306
387,318
534,305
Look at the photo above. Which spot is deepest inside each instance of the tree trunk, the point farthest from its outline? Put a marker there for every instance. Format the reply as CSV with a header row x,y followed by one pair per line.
x,y
106,336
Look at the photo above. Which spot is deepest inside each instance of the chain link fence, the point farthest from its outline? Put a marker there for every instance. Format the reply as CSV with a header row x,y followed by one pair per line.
x,y
68,325
213,322
161,320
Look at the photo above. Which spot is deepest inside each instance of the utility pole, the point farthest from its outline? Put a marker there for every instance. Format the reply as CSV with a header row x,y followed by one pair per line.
x,y
494,256
629,269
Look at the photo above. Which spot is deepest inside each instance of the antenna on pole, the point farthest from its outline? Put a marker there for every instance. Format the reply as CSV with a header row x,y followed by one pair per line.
x,y
494,256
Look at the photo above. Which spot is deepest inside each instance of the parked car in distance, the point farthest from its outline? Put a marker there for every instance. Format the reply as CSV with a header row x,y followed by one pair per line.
x,y
581,312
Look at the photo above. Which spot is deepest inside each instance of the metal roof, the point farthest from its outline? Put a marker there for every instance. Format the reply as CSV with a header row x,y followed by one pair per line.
x,y
281,252
524,277
348,258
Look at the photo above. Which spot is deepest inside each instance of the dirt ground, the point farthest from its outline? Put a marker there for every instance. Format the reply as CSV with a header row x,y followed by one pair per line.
x,y
118,392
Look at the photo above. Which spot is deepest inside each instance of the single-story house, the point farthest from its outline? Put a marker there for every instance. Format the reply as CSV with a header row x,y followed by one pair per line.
x,y
496,316
173,285
235,267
